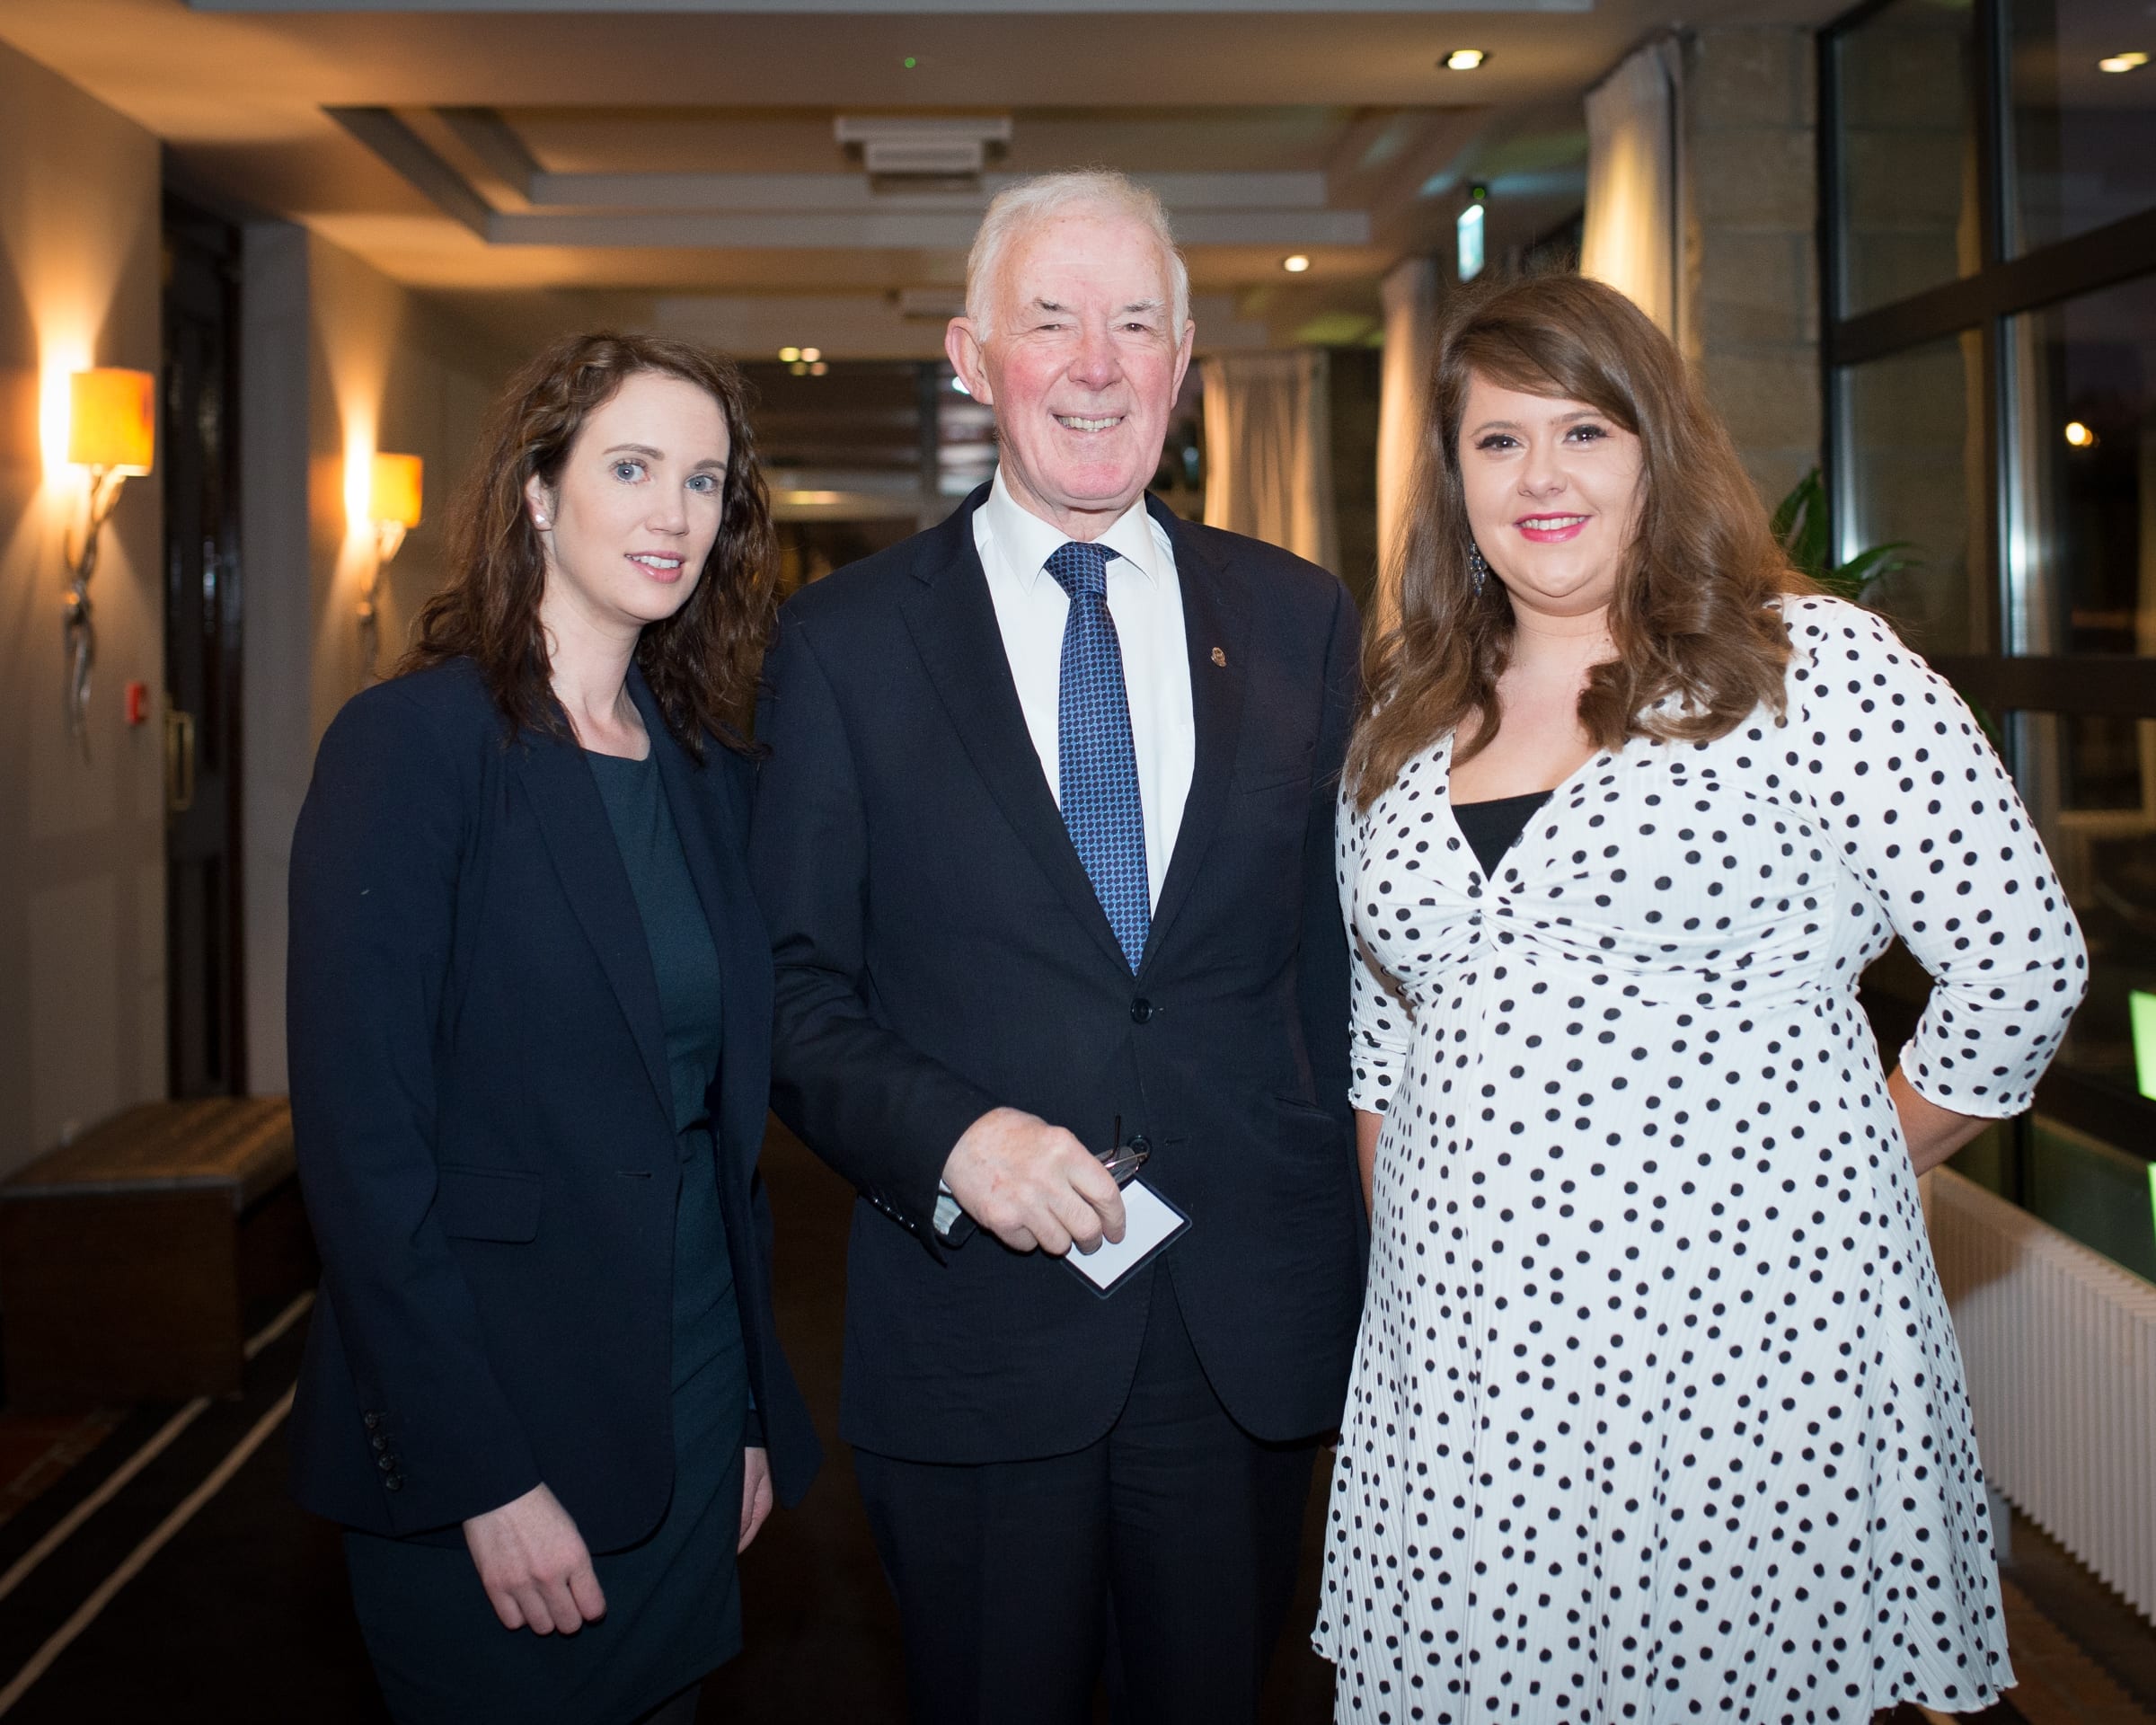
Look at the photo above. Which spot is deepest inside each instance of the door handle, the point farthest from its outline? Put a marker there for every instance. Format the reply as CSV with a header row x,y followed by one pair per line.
x,y
178,761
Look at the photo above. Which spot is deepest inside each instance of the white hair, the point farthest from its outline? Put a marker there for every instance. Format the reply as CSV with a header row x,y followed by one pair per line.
x,y
1018,208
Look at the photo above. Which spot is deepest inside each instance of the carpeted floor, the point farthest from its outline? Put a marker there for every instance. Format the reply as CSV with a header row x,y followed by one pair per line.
x,y
239,1614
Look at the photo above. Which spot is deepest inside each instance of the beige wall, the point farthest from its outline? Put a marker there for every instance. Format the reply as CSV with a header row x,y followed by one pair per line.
x,y
382,368
82,882
387,370
335,358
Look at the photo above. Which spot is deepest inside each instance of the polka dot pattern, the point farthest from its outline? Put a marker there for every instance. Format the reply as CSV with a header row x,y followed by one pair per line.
x,y
1656,1410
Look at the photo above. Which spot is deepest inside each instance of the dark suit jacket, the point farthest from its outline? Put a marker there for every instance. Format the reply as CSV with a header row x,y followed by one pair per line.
x,y
485,1123
941,952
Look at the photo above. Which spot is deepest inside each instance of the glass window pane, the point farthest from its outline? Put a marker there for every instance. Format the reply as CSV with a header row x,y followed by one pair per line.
x,y
2080,393
1987,1157
1905,90
2090,783
2095,1193
1911,474
2082,137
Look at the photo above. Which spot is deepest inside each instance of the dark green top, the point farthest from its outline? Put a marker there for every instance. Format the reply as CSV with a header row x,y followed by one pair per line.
x,y
683,958
686,963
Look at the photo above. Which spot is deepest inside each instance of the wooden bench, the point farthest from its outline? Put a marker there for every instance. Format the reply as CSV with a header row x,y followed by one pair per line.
x,y
133,1261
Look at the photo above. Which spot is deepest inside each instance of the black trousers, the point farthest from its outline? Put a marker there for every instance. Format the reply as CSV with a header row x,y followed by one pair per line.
x,y
1163,1555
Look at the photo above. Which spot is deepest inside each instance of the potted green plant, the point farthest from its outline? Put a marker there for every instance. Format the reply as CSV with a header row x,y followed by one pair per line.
x,y
1800,525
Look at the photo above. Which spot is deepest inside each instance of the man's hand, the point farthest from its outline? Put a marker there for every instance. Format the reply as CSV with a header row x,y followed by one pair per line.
x,y
1032,1185
532,1562
755,1494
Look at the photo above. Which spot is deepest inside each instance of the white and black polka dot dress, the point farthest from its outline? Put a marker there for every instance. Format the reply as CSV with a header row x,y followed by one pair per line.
x,y
1656,1413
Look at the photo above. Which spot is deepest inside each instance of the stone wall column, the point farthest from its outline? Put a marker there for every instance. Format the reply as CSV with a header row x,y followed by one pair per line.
x,y
1750,320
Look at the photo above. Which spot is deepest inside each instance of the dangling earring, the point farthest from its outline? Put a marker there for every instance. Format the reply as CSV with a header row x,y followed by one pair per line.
x,y
1476,567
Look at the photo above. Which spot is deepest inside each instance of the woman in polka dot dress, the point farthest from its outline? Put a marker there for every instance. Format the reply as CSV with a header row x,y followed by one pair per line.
x,y
1656,1410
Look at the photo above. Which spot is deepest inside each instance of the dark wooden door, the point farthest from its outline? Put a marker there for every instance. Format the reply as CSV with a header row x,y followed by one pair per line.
x,y
197,453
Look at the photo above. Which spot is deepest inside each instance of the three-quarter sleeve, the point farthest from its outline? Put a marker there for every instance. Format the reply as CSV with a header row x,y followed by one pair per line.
x,y
1902,778
1382,1027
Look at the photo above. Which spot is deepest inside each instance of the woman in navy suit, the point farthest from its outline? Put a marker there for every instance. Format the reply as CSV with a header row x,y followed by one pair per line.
x,y
530,1004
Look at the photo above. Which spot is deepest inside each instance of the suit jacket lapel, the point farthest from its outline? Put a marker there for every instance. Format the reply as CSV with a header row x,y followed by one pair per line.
x,y
579,838
713,829
1216,629
952,620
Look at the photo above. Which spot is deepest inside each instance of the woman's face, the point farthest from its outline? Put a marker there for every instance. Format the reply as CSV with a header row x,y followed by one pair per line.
x,y
638,505
1553,492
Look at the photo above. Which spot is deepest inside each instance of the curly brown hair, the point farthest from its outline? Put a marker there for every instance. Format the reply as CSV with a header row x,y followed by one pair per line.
x,y
1693,616
701,662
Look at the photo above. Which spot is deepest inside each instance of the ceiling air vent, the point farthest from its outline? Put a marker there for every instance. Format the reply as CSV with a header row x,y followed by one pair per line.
x,y
930,305
912,152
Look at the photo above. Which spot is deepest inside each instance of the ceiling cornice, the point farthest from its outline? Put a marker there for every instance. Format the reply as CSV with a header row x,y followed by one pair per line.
x,y
798,211
877,8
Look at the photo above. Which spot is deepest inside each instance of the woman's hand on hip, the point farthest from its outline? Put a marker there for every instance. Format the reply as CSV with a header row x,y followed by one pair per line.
x,y
755,1494
1934,1132
532,1562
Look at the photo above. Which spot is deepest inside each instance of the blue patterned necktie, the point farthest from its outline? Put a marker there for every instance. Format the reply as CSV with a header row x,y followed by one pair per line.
x,y
1097,763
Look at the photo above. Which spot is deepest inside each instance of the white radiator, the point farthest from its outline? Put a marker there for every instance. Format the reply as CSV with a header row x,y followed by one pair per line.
x,y
2060,1344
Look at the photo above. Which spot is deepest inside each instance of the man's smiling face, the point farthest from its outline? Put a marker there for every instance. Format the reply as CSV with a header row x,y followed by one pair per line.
x,y
1081,362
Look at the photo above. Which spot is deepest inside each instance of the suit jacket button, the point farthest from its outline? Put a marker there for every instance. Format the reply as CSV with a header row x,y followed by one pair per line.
x,y
1141,1010
388,1463
373,1419
394,1483
379,1441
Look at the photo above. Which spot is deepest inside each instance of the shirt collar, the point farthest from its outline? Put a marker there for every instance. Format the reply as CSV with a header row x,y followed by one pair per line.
x,y
1028,542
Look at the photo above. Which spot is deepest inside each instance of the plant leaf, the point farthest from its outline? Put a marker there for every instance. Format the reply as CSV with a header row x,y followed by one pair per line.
x,y
1799,525
1876,564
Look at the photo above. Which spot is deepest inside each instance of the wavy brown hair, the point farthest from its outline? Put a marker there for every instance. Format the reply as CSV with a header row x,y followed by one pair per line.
x,y
1692,614
701,662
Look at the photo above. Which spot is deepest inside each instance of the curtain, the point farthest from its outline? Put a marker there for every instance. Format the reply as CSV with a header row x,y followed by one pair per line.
x,y
1634,225
1409,295
1268,450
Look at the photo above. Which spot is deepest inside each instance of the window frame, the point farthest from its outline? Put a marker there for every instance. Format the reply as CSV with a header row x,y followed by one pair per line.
x,y
2003,287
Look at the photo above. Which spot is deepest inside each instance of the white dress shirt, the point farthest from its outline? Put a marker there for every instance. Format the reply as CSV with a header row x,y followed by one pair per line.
x,y
1146,599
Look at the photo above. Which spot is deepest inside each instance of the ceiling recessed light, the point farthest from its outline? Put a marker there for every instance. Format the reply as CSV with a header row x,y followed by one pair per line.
x,y
818,369
2080,435
812,354
1465,59
789,355
800,367
1296,265
2125,62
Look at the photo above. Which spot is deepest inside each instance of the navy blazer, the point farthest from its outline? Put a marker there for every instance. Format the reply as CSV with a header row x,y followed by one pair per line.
x,y
485,1123
940,951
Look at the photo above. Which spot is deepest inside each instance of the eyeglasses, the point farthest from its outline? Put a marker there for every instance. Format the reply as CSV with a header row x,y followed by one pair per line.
x,y
1123,1160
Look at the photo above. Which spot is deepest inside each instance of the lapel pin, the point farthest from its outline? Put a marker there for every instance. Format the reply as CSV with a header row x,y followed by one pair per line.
x,y
1220,659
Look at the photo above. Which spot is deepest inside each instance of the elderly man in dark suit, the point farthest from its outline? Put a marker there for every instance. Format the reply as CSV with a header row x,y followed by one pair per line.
x,y
1045,841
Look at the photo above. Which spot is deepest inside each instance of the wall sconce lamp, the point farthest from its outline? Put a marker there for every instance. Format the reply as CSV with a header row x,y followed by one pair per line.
x,y
111,430
394,505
